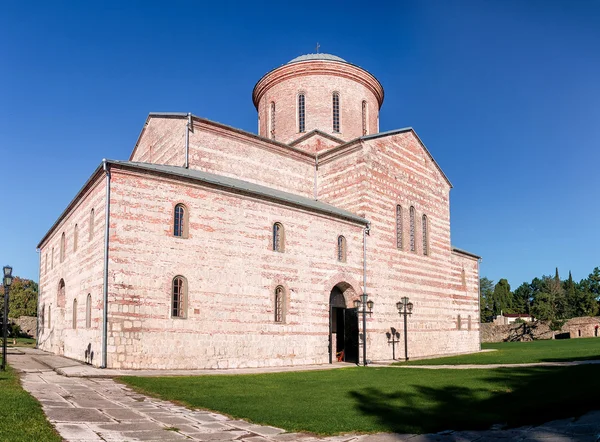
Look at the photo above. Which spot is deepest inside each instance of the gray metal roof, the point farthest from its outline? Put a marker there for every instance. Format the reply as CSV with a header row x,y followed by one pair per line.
x,y
319,56
246,187
464,252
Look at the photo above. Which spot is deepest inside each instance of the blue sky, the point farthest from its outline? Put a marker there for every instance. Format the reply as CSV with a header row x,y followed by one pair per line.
x,y
505,94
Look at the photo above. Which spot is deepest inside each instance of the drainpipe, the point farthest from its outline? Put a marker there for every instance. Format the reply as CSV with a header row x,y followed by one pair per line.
x,y
37,322
187,140
106,232
315,192
366,231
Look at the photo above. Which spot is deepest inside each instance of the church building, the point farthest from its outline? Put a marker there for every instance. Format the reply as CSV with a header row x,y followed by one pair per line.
x,y
213,247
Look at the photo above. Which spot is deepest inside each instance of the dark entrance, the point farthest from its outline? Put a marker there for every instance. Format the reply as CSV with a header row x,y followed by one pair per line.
x,y
343,329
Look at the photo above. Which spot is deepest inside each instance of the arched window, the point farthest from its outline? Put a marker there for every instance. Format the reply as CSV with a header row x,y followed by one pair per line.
x,y
412,229
62,247
301,113
336,112
61,296
180,221
341,249
364,118
399,227
458,323
75,233
425,236
272,121
88,311
74,313
92,221
178,297
279,293
278,237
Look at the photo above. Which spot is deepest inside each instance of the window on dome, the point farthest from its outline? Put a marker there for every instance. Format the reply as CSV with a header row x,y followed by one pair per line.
x,y
336,112
301,113
272,121
364,117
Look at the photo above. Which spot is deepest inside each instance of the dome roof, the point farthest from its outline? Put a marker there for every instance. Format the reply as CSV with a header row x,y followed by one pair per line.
x,y
318,56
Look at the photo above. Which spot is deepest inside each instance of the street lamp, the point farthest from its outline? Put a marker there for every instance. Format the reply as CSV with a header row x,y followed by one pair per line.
x,y
366,304
405,308
6,282
393,338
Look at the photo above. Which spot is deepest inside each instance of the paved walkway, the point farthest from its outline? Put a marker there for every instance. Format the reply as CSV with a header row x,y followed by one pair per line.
x,y
87,409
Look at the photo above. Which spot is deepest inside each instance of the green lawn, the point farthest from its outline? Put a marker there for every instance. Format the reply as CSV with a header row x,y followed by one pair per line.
x,y
388,399
21,342
580,349
21,416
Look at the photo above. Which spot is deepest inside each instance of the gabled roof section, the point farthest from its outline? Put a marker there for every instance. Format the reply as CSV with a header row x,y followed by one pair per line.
x,y
314,132
284,147
404,130
245,187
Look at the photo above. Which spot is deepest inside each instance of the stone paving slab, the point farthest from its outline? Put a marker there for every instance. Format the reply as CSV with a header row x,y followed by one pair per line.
x,y
91,409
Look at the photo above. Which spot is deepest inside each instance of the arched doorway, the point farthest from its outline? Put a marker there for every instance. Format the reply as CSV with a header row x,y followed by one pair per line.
x,y
343,328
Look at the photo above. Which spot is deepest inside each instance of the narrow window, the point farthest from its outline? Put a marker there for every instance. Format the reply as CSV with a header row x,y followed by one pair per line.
x,y
278,237
425,236
336,112
62,247
46,264
61,296
180,221
458,323
52,259
463,278
469,323
301,113
364,117
272,120
178,297
42,319
75,233
88,311
92,220
74,314
341,249
412,229
49,316
399,227
279,304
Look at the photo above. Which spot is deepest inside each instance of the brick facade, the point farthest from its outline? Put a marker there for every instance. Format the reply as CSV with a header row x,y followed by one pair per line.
x,y
227,257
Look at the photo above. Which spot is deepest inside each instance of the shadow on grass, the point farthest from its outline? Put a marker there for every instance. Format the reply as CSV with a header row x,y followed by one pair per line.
x,y
515,397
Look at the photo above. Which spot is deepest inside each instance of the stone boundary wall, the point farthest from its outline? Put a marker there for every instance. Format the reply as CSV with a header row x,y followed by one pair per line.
x,y
28,324
584,327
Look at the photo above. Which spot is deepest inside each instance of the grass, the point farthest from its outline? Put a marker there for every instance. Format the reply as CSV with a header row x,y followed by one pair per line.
x,y
387,399
580,349
20,342
22,418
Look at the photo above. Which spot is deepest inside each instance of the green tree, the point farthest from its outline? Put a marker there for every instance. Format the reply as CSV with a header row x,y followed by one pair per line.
x,y
571,297
502,297
486,304
522,297
549,302
23,298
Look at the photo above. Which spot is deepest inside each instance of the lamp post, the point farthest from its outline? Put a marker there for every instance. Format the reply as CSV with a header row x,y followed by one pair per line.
x,y
6,282
393,338
365,305
405,308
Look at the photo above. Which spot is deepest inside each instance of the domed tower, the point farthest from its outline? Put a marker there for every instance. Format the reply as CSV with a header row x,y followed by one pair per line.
x,y
317,92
